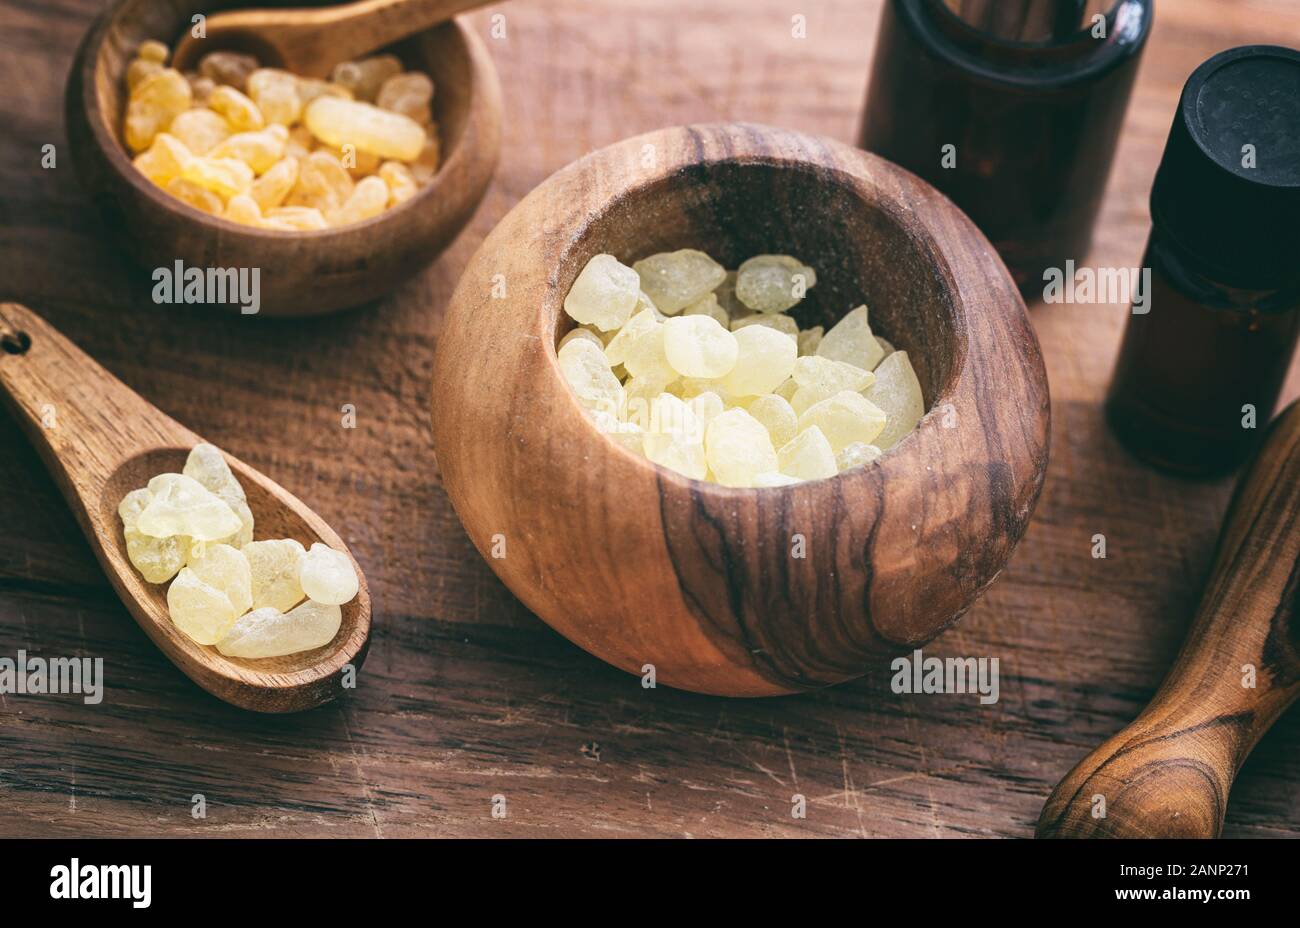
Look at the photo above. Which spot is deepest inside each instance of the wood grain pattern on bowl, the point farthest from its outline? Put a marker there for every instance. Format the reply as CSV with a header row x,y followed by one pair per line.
x,y
641,566
301,273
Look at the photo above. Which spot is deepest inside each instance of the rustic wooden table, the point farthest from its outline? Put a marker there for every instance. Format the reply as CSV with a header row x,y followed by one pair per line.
x,y
466,695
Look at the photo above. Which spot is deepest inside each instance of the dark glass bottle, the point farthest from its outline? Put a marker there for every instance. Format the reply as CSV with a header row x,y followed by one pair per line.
x,y
1030,94
1208,360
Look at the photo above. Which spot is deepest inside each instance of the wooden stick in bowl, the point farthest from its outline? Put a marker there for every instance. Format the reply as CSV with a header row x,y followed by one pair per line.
x,y
312,40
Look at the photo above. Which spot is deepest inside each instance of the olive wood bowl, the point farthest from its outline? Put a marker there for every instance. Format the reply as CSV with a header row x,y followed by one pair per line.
x,y
643,567
301,273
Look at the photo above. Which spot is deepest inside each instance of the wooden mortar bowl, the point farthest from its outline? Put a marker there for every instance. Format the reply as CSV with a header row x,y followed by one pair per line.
x,y
302,273
641,566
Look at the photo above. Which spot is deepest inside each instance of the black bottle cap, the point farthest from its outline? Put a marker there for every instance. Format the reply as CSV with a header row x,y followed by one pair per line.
x,y
1228,189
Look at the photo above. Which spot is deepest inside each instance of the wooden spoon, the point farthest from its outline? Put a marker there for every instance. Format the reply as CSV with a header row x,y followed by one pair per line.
x,y
1168,773
310,41
100,440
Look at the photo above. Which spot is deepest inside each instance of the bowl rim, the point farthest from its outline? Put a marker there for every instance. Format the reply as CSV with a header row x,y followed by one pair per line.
x,y
483,77
890,207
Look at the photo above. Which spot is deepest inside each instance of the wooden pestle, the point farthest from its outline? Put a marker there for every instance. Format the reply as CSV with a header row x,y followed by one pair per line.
x,y
1167,775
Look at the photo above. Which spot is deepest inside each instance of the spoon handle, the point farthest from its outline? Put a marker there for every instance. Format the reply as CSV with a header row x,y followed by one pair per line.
x,y
82,420
341,33
1168,773
99,440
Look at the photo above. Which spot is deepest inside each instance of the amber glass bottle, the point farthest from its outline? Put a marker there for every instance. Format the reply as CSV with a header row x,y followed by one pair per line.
x,y
1012,109
1200,372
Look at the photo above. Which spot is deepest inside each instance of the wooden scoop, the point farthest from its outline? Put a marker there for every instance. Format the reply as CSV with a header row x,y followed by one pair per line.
x,y
100,441
1168,774
310,41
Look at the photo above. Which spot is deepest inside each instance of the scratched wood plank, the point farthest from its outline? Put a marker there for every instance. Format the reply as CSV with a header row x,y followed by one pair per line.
x,y
466,695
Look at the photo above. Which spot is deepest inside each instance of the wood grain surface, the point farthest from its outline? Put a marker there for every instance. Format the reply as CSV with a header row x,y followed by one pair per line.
x,y
465,695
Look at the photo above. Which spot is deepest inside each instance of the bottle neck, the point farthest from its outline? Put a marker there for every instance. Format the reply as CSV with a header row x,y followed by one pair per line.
x,y
1186,275
1050,22
1080,54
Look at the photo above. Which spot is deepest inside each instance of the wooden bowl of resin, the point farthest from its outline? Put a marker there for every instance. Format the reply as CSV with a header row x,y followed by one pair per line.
x,y
301,273
743,592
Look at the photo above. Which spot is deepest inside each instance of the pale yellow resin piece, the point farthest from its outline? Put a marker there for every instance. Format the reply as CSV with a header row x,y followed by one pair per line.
x,y
773,283
857,454
157,559
180,505
199,609
268,632
586,369
275,567
676,279
765,358
844,418
207,465
207,596
698,346
777,416
327,576
808,456
850,340
898,393
226,569
674,437
604,294
340,122
739,449
821,378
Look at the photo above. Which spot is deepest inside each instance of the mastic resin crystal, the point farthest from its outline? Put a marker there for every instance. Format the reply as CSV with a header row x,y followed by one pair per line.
x,y
268,149
249,599
704,371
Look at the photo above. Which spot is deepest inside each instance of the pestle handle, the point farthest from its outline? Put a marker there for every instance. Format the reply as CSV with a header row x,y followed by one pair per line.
x,y
1168,773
